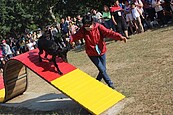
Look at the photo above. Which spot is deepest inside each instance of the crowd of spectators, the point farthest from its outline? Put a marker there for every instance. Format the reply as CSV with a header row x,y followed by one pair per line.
x,y
126,17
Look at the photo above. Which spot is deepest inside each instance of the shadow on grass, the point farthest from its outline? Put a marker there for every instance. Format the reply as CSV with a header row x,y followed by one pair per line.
x,y
164,28
44,104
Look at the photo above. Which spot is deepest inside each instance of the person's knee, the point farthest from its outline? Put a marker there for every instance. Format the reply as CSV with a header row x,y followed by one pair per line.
x,y
102,70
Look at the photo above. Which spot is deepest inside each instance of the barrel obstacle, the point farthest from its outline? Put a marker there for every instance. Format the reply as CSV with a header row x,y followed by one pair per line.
x,y
93,95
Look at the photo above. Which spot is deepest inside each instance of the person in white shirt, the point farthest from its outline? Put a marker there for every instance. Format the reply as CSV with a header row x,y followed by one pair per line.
x,y
97,16
156,4
30,44
137,20
139,6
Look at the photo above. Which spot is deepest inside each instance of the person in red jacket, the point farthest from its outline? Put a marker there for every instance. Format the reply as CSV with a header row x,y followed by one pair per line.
x,y
94,34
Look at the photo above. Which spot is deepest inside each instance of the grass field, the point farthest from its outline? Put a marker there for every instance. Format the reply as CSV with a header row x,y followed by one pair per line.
x,y
141,69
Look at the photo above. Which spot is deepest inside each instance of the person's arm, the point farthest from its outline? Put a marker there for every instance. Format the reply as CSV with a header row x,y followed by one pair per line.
x,y
140,13
139,4
113,19
111,34
78,35
171,2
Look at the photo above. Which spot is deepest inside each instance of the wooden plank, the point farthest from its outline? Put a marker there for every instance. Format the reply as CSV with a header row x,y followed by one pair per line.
x,y
14,74
16,88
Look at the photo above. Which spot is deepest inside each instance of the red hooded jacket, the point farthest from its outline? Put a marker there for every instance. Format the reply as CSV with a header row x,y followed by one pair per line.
x,y
95,37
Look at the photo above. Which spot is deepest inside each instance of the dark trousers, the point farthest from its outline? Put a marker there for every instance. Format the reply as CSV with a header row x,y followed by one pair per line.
x,y
100,63
121,25
161,17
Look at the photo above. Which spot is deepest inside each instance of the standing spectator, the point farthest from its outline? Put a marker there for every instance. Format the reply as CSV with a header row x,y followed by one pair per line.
x,y
22,44
54,32
107,20
68,19
137,19
7,53
64,30
118,19
159,10
150,13
94,34
30,44
74,20
39,33
167,11
79,21
72,30
139,6
128,14
13,46
34,35
64,27
97,16
79,24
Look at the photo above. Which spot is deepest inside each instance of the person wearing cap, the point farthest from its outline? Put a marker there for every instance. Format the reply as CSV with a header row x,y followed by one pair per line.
x,y
94,34
6,51
119,19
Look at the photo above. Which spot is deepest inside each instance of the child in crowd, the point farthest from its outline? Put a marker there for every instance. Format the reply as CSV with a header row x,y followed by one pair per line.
x,y
136,18
128,14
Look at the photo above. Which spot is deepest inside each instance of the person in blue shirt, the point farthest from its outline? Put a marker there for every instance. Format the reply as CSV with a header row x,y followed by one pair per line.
x,y
64,27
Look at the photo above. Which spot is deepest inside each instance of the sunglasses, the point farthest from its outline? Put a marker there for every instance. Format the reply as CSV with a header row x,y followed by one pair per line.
x,y
87,25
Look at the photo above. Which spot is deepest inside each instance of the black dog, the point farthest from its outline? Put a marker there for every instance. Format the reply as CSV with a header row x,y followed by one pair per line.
x,y
45,43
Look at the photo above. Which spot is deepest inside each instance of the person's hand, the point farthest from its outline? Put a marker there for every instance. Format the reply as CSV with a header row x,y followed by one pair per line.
x,y
68,39
115,23
124,39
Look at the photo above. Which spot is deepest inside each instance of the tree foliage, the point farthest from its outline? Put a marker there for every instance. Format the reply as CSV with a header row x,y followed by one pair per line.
x,y
18,15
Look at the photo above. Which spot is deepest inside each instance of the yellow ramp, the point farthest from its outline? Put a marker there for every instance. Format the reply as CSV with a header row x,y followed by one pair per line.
x,y
87,91
2,94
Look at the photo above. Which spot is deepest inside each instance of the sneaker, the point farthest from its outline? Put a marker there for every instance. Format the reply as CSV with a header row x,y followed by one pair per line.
x,y
112,86
165,25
